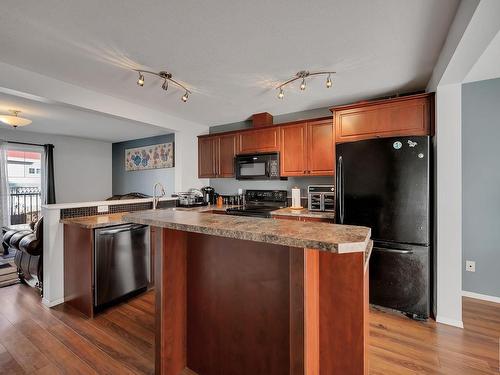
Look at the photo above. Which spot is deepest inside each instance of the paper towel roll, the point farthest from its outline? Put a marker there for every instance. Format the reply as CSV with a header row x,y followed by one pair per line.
x,y
295,197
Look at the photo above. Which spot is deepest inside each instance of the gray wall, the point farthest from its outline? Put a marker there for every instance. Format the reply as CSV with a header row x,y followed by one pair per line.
x,y
140,181
279,119
82,167
481,185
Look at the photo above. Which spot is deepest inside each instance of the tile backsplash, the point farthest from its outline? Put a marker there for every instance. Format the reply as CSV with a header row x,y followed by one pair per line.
x,y
67,213
230,186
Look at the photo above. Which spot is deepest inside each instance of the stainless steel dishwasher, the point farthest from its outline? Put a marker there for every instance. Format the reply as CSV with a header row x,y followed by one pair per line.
x,y
121,262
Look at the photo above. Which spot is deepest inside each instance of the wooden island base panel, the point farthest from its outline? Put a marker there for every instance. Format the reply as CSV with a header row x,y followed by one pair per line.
x,y
250,296
231,306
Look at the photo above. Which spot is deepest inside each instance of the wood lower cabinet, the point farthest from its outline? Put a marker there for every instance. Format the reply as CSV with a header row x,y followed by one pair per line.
x,y
409,115
308,149
260,140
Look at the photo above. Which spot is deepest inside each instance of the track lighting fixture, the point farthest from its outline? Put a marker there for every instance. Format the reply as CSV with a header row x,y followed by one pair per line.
x,y
167,77
303,74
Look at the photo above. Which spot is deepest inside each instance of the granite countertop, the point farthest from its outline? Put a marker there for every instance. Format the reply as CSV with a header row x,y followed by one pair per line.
x,y
99,221
322,236
303,212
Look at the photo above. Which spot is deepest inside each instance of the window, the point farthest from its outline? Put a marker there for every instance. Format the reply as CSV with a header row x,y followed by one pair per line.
x,y
25,183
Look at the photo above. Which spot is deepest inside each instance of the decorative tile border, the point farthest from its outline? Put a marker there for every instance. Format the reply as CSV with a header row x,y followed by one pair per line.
x,y
67,213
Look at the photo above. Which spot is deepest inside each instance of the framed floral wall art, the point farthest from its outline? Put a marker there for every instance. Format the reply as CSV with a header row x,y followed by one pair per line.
x,y
149,157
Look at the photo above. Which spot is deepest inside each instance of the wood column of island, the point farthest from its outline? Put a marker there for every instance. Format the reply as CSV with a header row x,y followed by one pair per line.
x,y
229,301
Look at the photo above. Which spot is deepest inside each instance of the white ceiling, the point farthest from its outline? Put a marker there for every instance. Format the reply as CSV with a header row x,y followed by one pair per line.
x,y
59,119
488,64
231,53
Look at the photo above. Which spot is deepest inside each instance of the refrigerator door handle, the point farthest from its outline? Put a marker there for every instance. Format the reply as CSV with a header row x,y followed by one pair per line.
x,y
392,251
340,189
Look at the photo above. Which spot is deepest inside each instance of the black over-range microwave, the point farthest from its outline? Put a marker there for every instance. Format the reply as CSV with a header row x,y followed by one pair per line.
x,y
257,166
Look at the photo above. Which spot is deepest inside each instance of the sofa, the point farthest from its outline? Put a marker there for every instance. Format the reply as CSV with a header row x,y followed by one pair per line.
x,y
28,246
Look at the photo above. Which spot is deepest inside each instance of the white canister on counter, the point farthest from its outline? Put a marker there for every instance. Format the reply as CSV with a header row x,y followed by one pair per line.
x,y
296,198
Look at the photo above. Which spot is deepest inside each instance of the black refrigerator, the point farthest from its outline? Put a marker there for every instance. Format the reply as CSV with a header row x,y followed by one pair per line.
x,y
385,184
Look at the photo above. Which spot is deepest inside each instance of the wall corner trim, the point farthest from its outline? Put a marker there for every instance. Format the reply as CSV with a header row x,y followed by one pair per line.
x,y
483,297
48,303
450,321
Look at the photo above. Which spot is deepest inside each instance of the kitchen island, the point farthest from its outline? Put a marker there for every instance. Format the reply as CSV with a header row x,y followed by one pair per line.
x,y
245,295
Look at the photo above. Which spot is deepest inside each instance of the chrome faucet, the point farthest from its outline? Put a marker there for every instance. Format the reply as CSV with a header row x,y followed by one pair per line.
x,y
156,198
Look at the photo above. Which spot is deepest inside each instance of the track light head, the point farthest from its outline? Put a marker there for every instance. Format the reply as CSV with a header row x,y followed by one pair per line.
x,y
164,86
185,97
328,82
140,81
281,94
303,84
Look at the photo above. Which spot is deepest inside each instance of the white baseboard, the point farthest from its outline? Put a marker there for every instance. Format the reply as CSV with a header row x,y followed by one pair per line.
x,y
52,303
450,322
483,297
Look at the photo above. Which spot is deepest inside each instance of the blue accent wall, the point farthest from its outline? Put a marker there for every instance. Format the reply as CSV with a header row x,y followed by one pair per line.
x,y
140,181
480,185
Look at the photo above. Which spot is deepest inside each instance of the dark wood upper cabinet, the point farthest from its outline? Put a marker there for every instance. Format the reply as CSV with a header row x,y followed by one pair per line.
x,y
293,153
207,160
216,155
408,115
228,148
260,140
321,148
308,148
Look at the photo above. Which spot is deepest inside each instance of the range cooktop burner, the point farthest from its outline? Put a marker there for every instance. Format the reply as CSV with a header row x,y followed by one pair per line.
x,y
260,203
251,211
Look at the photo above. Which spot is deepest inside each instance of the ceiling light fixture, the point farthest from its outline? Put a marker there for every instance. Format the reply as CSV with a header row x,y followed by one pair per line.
x,y
167,77
303,74
14,120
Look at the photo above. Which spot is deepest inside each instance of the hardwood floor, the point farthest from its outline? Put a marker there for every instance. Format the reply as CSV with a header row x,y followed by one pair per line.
x,y
38,340
401,346
42,341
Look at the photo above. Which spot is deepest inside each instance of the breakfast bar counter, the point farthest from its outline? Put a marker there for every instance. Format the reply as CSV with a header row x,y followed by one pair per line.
x,y
246,295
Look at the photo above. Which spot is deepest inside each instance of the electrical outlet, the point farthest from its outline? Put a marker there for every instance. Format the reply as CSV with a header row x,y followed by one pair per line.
x,y
101,209
470,266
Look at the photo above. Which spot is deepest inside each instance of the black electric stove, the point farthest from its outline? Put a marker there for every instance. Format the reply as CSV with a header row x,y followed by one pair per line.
x,y
260,203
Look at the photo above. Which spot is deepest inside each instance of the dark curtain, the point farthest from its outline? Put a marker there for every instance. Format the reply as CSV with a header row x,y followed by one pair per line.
x,y
49,195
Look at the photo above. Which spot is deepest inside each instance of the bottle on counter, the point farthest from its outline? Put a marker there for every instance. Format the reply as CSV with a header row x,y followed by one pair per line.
x,y
220,201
